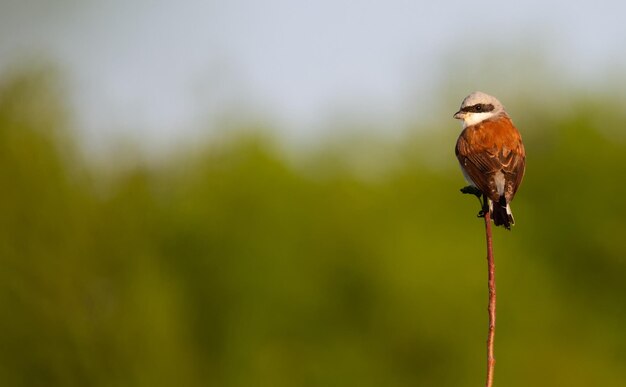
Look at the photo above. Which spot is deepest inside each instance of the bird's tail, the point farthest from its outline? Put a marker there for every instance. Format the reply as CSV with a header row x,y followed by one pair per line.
x,y
501,213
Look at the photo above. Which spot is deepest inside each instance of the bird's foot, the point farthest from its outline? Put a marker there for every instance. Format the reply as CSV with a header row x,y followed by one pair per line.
x,y
470,189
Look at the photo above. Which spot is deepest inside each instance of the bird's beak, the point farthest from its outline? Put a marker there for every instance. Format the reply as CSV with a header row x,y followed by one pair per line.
x,y
459,115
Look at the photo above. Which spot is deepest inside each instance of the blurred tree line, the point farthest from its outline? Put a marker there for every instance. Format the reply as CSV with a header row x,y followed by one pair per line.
x,y
237,266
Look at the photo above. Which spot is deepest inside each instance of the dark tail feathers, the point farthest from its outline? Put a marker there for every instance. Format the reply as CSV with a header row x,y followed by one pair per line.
x,y
501,214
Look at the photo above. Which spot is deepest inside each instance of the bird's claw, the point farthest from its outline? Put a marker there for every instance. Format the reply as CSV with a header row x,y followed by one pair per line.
x,y
470,189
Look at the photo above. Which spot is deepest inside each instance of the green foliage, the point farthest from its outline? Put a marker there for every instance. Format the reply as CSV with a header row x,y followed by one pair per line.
x,y
237,267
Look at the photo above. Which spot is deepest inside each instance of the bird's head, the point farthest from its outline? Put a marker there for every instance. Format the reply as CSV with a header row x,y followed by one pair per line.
x,y
478,107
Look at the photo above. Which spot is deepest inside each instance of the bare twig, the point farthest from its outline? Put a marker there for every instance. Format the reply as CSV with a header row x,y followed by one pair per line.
x,y
484,212
491,361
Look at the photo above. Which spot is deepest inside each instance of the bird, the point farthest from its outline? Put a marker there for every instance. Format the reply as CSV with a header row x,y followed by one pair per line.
x,y
491,154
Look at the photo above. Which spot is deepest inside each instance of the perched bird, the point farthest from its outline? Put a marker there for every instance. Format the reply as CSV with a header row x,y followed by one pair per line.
x,y
491,154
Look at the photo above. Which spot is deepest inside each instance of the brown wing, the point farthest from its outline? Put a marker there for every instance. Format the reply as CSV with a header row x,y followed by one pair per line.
x,y
490,147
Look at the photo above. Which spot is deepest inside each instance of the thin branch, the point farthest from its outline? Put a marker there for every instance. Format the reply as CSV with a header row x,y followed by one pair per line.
x,y
491,281
491,361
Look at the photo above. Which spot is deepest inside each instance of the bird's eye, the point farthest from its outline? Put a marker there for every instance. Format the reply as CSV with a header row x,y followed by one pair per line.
x,y
479,108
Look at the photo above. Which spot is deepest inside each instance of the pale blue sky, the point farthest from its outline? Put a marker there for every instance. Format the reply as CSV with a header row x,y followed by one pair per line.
x,y
157,70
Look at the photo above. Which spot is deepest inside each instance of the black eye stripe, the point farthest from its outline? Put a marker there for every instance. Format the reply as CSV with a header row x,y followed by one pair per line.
x,y
479,108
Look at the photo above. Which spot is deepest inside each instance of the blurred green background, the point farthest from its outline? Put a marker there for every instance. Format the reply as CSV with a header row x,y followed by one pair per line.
x,y
236,265
243,259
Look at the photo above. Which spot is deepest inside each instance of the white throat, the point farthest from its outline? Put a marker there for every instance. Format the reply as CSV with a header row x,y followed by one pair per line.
x,y
474,118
